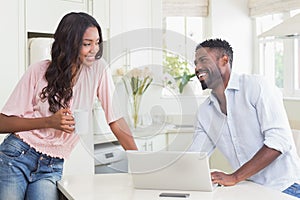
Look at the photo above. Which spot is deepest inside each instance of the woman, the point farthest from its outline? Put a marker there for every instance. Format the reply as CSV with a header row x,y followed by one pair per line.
x,y
38,113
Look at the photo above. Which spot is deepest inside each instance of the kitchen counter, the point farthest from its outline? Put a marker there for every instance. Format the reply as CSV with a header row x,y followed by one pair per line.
x,y
146,132
104,138
120,187
162,129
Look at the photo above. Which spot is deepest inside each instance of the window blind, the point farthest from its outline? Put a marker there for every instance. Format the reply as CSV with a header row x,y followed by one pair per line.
x,y
265,7
190,8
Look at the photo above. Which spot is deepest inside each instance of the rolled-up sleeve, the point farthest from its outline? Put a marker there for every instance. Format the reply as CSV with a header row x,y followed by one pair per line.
x,y
273,119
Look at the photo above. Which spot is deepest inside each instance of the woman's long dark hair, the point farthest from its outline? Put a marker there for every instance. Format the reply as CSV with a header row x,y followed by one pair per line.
x,y
65,54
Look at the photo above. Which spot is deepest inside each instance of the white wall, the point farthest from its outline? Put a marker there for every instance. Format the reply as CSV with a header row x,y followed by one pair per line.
x,y
292,107
229,20
12,50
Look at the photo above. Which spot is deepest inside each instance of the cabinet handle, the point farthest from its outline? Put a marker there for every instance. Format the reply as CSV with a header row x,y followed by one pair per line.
x,y
151,146
145,146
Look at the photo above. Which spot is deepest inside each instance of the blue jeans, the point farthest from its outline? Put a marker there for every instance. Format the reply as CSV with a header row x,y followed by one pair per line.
x,y
293,190
26,173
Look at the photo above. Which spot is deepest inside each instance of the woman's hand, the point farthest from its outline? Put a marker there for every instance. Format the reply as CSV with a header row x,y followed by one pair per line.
x,y
62,120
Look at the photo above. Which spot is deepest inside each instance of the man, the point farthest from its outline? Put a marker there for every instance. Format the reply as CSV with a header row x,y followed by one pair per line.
x,y
245,119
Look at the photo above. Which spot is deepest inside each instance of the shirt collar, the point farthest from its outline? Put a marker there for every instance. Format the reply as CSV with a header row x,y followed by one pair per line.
x,y
233,84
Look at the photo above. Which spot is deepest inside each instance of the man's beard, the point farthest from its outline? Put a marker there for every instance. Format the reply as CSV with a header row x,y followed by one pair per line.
x,y
203,85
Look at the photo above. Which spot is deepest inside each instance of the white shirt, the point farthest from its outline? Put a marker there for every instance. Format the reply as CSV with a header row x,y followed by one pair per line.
x,y
255,116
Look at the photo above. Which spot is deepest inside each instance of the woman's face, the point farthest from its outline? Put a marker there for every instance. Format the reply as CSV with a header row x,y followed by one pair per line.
x,y
90,46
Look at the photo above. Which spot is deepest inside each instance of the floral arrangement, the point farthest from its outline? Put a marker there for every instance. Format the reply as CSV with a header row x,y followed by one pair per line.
x,y
136,83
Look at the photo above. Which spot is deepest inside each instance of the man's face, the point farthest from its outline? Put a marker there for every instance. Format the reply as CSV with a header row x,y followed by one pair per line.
x,y
207,68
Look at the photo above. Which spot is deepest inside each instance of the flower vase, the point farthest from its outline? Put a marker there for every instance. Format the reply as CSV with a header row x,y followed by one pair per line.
x,y
136,83
135,109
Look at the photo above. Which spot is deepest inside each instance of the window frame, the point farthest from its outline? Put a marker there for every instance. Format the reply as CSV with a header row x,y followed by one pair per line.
x,y
196,90
291,57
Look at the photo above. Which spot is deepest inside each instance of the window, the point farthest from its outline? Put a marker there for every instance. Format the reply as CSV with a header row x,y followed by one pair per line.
x,y
189,33
190,27
183,30
279,56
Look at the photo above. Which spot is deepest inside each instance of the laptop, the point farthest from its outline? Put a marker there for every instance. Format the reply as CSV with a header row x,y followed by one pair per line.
x,y
170,170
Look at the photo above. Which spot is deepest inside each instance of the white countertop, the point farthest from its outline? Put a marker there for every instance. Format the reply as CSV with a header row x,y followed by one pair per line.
x,y
161,129
149,131
119,186
104,138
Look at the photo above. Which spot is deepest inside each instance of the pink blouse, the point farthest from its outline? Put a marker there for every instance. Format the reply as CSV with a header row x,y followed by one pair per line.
x,y
93,82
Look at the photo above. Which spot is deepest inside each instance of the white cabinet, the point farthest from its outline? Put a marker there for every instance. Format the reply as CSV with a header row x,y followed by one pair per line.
x,y
179,140
43,16
124,24
151,143
12,51
101,12
81,160
218,161
127,19
120,16
128,15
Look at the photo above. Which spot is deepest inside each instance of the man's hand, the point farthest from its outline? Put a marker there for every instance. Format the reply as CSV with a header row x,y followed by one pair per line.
x,y
223,179
259,161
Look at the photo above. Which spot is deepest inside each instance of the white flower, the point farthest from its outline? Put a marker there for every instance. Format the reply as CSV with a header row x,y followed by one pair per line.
x,y
136,83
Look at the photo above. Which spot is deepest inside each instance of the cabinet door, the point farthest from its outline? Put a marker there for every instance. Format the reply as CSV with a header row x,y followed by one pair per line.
x,y
12,51
141,144
179,141
128,15
155,143
219,162
130,32
100,11
43,16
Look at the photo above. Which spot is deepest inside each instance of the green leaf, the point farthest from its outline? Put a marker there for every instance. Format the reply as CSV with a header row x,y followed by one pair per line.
x,y
178,68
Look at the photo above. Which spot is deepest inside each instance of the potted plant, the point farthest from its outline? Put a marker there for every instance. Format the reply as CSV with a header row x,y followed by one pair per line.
x,y
176,67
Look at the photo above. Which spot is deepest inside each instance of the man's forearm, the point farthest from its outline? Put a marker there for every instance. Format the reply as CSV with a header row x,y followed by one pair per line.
x,y
259,161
